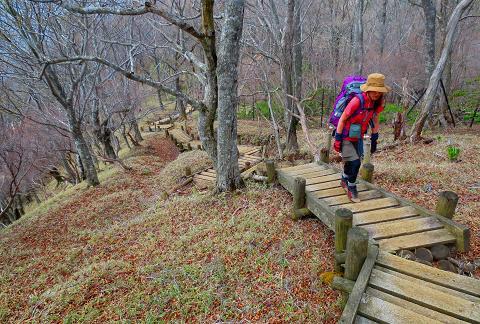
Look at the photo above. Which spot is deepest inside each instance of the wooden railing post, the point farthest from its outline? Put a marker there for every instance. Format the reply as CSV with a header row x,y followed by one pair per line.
x,y
356,252
446,204
271,174
343,222
299,210
325,151
366,172
188,171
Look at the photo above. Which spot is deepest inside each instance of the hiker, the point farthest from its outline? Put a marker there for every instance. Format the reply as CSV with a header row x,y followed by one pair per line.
x,y
362,110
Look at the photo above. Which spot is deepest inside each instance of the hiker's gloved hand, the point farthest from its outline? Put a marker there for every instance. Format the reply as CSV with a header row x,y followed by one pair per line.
x,y
374,139
337,145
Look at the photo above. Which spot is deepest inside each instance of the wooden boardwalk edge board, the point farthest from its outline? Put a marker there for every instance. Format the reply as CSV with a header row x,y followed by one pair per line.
x,y
354,300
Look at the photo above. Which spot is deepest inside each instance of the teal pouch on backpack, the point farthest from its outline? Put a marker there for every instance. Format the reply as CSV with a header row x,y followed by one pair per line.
x,y
355,131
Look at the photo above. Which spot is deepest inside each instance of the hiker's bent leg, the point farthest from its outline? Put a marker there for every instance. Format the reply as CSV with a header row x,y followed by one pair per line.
x,y
351,169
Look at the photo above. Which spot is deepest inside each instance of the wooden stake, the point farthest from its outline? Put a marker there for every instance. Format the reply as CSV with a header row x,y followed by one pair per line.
x,y
189,146
199,146
366,172
188,171
325,151
357,247
167,133
446,204
299,210
343,222
299,193
271,174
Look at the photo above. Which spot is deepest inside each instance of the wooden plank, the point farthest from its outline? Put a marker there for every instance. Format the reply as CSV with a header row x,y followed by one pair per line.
x,y
363,320
325,178
413,307
384,215
402,227
369,205
420,283
315,174
408,242
385,312
336,191
297,173
350,310
426,296
299,167
426,273
365,195
325,185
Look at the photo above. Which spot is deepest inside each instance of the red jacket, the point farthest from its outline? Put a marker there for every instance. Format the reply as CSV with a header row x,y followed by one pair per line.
x,y
356,116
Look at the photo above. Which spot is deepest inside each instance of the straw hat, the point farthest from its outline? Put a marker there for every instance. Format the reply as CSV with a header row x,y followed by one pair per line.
x,y
375,82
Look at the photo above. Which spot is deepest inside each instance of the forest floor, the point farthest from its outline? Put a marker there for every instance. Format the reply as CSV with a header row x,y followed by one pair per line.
x,y
120,252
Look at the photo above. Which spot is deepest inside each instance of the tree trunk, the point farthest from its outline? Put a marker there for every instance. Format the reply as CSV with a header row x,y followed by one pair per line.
x,y
228,174
85,155
287,70
137,135
206,116
400,120
447,74
383,27
74,179
179,104
358,37
429,11
427,103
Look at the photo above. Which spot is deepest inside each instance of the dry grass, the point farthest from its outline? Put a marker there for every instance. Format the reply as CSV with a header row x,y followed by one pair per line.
x,y
118,253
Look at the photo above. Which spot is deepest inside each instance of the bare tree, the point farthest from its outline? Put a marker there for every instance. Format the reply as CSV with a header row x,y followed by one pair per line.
x,y
428,98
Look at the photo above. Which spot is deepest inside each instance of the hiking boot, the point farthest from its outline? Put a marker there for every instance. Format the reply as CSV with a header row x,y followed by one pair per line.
x,y
353,193
344,182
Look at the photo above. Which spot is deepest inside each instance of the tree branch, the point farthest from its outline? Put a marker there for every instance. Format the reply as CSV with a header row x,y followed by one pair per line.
x,y
147,8
157,85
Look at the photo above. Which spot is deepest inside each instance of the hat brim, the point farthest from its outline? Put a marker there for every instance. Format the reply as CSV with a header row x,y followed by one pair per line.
x,y
384,89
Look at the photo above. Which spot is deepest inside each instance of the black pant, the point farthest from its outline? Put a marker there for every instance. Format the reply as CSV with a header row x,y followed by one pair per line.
x,y
351,169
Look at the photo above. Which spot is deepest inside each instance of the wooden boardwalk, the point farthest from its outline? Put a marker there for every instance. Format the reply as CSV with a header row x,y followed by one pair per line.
x,y
249,157
393,289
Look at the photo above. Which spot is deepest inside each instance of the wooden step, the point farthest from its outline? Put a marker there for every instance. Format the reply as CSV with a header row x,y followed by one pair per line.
x,y
362,320
300,172
363,195
383,215
300,167
425,296
426,273
325,178
412,241
402,227
385,312
316,174
421,282
322,186
369,205
336,191
405,304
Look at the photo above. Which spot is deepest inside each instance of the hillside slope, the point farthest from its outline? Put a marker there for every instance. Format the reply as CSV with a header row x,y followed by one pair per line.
x,y
120,252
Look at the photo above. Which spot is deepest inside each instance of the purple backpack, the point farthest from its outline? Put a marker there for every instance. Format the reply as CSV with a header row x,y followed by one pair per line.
x,y
350,88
